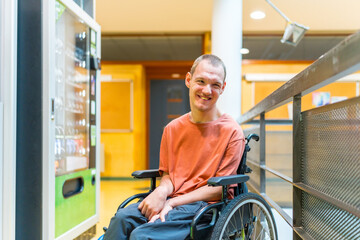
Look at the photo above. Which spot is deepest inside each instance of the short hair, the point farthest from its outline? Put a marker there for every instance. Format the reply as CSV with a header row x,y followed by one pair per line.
x,y
213,60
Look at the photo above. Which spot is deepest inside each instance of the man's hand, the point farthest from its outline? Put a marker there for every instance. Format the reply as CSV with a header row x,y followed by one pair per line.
x,y
153,203
167,208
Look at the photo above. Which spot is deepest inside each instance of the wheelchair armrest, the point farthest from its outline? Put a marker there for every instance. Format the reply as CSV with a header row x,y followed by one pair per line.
x,y
152,173
227,180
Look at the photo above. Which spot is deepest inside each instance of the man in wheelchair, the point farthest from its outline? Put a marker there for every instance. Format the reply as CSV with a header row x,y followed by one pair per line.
x,y
195,147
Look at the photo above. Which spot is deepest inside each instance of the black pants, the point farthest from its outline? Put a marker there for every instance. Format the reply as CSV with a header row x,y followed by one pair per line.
x,y
129,223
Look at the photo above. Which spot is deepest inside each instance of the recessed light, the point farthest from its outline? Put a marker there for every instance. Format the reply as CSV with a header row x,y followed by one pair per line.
x,y
257,15
175,75
244,51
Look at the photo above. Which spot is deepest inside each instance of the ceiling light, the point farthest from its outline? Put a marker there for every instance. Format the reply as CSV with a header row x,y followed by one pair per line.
x,y
294,32
244,51
175,75
257,15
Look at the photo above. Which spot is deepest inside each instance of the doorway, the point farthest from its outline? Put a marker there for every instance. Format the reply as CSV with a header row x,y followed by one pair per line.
x,y
169,99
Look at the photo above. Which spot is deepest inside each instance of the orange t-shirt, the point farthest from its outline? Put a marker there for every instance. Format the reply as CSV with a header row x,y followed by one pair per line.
x,y
192,153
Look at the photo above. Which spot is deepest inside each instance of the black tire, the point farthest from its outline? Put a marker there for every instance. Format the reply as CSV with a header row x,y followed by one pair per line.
x,y
247,216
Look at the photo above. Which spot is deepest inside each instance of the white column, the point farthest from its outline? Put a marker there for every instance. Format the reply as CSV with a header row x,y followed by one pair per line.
x,y
226,41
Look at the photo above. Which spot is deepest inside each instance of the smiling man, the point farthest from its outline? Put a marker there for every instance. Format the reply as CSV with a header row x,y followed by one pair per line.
x,y
195,147
206,82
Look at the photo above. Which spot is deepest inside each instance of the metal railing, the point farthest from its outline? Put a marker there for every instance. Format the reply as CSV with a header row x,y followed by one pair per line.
x,y
325,150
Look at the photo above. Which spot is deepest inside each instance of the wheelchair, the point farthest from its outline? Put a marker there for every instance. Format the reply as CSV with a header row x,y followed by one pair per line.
x,y
247,216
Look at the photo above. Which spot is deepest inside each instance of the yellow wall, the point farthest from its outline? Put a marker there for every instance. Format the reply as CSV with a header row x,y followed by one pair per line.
x,y
126,152
254,92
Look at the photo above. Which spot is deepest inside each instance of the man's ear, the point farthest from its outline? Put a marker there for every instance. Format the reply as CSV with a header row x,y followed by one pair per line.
x,y
187,79
223,87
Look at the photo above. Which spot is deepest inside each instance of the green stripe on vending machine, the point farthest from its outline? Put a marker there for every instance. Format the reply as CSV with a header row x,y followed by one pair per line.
x,y
74,199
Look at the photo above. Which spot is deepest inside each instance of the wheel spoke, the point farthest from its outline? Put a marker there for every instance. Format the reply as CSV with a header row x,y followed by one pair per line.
x,y
261,226
247,217
258,218
236,224
264,225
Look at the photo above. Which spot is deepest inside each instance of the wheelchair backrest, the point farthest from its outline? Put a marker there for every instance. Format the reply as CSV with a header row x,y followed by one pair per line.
x,y
243,168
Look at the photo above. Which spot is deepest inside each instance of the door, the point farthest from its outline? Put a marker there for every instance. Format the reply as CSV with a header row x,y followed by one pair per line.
x,y
169,99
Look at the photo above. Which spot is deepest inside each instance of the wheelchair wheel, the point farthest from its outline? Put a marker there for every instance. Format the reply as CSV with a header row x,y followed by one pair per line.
x,y
247,216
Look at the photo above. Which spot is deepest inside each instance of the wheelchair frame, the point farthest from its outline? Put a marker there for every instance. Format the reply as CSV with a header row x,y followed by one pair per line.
x,y
218,216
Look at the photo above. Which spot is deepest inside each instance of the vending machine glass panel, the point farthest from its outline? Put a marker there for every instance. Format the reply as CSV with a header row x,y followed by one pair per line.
x,y
72,110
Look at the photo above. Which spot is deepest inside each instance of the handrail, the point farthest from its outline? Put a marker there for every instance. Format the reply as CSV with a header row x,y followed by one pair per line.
x,y
340,61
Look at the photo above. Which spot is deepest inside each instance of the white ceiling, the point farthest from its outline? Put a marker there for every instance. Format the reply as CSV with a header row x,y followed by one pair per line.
x,y
136,30
194,16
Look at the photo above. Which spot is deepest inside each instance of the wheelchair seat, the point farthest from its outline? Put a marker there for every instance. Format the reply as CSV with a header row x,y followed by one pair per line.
x,y
247,216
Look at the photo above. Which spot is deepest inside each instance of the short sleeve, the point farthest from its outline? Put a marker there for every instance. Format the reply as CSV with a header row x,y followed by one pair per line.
x,y
164,151
232,156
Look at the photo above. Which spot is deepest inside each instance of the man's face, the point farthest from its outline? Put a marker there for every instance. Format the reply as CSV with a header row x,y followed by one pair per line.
x,y
205,85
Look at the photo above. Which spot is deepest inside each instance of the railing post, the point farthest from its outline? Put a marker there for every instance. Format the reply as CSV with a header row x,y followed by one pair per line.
x,y
262,153
296,163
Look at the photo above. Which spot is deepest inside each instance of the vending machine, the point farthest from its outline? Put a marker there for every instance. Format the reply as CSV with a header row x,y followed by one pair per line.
x,y
58,121
73,68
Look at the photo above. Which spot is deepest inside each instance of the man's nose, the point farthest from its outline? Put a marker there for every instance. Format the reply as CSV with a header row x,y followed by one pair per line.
x,y
207,89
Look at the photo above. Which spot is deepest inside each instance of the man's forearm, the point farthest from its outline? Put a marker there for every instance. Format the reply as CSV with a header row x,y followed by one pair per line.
x,y
166,184
205,193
